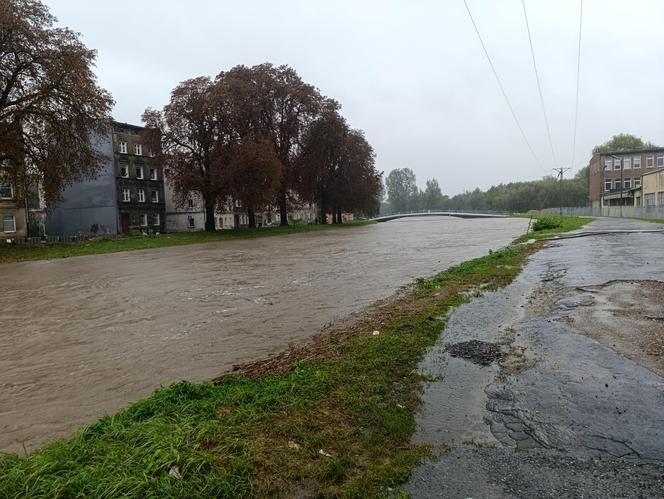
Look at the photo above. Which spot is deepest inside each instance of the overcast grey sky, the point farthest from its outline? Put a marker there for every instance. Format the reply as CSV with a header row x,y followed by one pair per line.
x,y
411,74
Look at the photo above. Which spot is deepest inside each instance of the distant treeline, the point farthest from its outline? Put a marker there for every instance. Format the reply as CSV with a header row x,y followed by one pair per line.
x,y
404,195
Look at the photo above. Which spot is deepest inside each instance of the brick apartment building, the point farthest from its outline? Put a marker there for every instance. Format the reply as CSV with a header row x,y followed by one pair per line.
x,y
615,177
13,219
126,197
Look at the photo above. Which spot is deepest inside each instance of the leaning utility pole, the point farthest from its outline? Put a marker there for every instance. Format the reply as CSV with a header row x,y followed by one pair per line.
x,y
560,172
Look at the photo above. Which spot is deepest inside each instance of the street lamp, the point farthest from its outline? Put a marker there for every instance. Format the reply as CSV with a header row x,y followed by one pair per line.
x,y
622,184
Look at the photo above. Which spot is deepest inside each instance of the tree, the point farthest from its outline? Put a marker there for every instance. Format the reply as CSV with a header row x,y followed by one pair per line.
x,y
401,189
280,106
254,174
193,137
622,142
432,198
51,108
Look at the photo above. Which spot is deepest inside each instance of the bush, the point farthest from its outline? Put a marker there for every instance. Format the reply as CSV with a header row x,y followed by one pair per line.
x,y
547,223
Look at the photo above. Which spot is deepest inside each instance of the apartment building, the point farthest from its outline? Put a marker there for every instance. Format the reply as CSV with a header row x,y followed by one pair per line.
x,y
13,215
126,197
616,177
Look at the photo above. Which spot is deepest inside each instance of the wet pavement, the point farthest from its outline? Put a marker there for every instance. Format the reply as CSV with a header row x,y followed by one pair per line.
x,y
574,404
83,336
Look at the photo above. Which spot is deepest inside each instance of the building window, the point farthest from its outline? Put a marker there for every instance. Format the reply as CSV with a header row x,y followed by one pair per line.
x,y
126,195
123,147
192,222
661,198
637,182
660,161
139,172
6,191
190,203
607,164
628,183
144,220
616,184
153,174
124,171
637,162
649,199
156,220
627,163
616,163
141,195
650,161
155,196
607,185
138,149
9,223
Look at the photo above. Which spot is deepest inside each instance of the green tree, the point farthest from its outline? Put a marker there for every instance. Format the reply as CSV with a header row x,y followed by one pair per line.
x,y
432,197
622,142
402,189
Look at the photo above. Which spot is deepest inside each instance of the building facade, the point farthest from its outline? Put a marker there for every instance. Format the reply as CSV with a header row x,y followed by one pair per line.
x,y
126,197
13,217
651,193
616,177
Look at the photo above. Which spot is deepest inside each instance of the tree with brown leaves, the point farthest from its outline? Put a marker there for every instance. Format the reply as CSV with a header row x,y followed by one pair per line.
x,y
193,138
51,108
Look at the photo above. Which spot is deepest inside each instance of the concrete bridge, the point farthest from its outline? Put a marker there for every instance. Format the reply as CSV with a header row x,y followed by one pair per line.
x,y
458,214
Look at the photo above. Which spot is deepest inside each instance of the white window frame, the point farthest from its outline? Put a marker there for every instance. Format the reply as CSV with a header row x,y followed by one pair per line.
x,y
637,182
617,162
627,163
126,195
190,204
607,164
616,183
141,195
122,145
636,163
11,190
154,196
660,196
11,218
139,173
608,184
627,183
650,161
154,174
144,219
157,219
660,161
649,197
126,171
138,150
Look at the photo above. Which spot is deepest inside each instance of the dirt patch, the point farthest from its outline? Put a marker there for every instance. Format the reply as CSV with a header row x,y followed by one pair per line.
x,y
476,351
626,316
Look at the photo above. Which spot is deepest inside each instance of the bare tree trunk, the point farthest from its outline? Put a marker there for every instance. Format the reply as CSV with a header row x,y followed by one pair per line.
x,y
251,215
209,216
334,215
340,219
283,208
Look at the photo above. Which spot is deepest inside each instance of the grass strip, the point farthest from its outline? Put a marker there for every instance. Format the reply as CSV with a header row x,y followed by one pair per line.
x,y
22,252
333,418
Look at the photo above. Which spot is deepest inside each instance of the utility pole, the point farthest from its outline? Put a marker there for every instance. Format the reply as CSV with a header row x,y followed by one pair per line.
x,y
622,182
559,174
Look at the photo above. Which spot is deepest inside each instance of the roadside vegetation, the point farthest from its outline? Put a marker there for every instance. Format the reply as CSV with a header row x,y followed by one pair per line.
x,y
545,226
22,252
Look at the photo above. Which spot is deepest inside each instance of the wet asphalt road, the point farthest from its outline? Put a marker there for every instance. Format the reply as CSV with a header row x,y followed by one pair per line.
x,y
563,414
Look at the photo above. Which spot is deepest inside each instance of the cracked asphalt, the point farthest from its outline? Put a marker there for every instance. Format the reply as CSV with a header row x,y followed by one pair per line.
x,y
573,406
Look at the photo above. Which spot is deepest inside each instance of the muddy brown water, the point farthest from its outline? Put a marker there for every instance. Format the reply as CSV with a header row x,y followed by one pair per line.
x,y
82,337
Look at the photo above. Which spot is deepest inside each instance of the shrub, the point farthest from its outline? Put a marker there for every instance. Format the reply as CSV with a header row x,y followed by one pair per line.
x,y
546,223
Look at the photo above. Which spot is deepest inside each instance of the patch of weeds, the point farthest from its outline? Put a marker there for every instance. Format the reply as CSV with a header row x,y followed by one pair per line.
x,y
479,445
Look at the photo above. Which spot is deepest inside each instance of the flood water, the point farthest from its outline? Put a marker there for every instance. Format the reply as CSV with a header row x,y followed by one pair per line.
x,y
82,337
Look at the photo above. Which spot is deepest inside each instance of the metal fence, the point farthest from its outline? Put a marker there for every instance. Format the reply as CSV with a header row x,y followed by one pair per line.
x,y
612,211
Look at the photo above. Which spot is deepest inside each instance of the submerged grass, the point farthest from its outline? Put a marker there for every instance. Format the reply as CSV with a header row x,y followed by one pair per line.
x,y
335,423
17,253
545,226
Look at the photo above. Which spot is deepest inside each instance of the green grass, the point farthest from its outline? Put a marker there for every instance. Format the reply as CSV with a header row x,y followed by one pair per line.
x,y
552,225
256,437
17,253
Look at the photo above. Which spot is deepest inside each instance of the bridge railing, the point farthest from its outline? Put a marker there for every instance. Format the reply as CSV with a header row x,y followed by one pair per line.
x,y
420,212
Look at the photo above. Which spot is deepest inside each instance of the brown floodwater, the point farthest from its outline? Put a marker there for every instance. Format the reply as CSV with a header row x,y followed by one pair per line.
x,y
82,337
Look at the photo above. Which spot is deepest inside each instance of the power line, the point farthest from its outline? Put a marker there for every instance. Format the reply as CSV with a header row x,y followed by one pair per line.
x,y
578,68
502,89
539,86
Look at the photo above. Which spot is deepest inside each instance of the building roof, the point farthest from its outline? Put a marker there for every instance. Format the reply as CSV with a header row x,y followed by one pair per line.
x,y
659,170
128,125
630,151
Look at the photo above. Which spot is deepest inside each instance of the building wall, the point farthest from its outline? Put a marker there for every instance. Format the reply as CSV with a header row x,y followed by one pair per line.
x,y
189,217
653,189
88,205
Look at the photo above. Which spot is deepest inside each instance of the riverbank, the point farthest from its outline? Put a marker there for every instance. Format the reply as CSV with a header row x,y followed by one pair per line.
x,y
333,417
20,253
